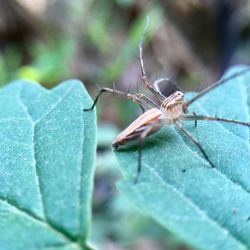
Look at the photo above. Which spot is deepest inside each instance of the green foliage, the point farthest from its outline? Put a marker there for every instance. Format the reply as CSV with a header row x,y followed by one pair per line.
x,y
112,70
207,207
51,61
46,166
10,59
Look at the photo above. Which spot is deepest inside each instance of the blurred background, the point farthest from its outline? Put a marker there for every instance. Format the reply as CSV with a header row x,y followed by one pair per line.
x,y
191,42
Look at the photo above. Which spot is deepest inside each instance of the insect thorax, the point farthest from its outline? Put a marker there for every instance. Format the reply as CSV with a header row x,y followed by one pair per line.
x,y
172,106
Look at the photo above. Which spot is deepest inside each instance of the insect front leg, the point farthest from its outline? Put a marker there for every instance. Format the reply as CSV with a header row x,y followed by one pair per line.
x,y
215,85
134,98
143,72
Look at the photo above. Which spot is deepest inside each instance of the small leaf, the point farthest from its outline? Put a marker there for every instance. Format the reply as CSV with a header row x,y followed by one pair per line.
x,y
207,207
46,166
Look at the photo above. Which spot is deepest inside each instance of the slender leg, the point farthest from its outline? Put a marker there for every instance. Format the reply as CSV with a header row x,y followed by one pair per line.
x,y
155,88
195,120
194,140
144,76
214,118
117,92
144,134
147,100
139,163
216,84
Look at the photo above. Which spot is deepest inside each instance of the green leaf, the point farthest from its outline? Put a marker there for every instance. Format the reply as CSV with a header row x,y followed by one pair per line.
x,y
47,157
207,207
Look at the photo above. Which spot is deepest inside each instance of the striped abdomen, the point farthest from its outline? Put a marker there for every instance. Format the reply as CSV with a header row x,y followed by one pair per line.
x,y
136,128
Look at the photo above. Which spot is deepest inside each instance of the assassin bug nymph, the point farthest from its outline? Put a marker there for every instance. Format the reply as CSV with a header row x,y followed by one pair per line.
x,y
171,110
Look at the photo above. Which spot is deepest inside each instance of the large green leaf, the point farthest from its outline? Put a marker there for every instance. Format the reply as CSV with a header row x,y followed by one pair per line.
x,y
207,207
46,166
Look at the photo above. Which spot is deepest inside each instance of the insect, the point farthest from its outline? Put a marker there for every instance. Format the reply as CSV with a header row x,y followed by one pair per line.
x,y
171,110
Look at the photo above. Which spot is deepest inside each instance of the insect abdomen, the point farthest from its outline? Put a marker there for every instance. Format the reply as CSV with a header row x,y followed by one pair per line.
x,y
136,128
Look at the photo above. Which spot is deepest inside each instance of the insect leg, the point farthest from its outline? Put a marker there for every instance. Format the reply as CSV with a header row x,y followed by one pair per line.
x,y
139,163
214,118
147,100
195,120
216,84
116,92
144,76
194,140
142,136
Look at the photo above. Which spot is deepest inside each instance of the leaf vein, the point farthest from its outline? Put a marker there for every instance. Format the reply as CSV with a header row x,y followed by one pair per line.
x,y
223,175
60,99
197,208
38,181
81,185
34,218
6,139
246,97
13,119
